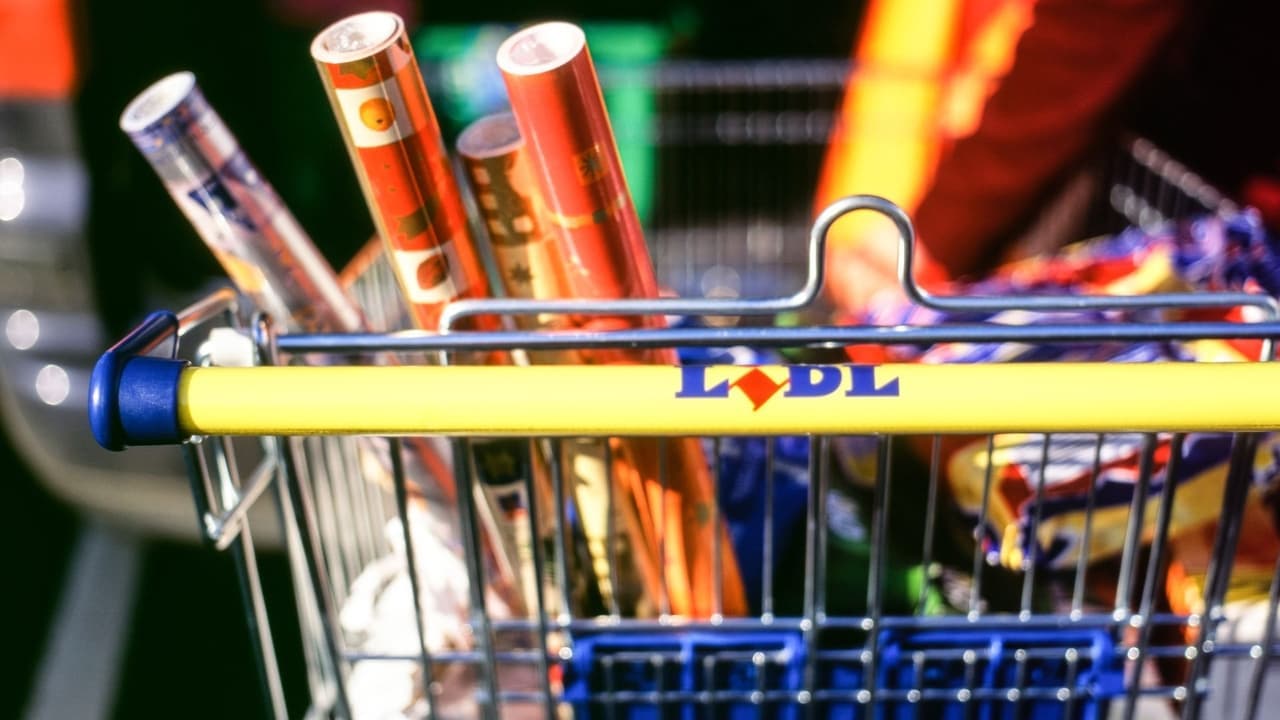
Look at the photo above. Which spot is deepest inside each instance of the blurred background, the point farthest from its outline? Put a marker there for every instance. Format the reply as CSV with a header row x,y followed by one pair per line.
x,y
117,610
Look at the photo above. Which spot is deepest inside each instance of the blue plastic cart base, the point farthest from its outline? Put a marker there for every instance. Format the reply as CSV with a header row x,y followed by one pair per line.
x,y
983,674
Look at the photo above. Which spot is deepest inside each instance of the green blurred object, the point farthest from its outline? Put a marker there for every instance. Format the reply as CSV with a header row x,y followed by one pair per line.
x,y
848,568
465,84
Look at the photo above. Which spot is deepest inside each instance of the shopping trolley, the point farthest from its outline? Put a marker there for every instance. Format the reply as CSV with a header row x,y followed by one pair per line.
x,y
262,431
875,664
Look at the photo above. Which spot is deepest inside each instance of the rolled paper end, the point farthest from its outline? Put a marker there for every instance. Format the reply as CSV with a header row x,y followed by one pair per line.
x,y
540,48
157,101
490,136
356,37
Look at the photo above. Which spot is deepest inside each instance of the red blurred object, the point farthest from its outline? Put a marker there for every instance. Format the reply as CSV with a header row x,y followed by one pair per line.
x,y
1263,192
37,51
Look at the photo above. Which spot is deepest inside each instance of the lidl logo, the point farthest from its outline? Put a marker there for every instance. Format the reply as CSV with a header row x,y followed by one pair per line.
x,y
798,381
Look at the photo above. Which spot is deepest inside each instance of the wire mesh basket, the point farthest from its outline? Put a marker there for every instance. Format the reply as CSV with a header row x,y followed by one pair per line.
x,y
874,596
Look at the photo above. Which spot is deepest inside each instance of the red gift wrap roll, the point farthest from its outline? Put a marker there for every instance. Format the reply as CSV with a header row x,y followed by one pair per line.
x,y
375,87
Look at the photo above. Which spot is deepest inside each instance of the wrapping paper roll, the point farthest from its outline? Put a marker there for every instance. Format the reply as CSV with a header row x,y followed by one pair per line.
x,y
234,209
260,245
367,66
527,256
523,243
555,97
263,249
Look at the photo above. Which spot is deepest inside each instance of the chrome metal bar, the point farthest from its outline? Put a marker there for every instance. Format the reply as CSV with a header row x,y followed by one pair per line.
x,y
1155,572
809,626
539,586
319,668
879,560
1264,652
664,482
321,588
353,514
224,528
1086,534
611,532
930,521
555,466
766,571
301,509
1017,693
249,581
266,664
979,530
820,486
411,562
365,514
1031,559
1072,657
965,695
811,336
1133,531
473,552
816,276
201,484
717,562
221,302
311,466
1234,495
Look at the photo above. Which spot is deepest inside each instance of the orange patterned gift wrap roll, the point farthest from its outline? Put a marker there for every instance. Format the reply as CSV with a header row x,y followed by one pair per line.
x,y
527,257
375,87
523,243
555,97
367,66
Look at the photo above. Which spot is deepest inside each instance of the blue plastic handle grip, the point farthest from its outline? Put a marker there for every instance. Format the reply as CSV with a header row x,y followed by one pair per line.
x,y
133,399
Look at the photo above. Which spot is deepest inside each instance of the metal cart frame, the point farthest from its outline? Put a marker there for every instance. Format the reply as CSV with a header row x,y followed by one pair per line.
x,y
772,664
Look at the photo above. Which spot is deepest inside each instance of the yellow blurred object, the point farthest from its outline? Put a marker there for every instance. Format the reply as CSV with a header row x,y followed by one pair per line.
x,y
923,70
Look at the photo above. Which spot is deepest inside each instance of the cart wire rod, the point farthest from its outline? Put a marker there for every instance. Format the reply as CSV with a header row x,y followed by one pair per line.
x,y
785,337
302,505
808,293
223,528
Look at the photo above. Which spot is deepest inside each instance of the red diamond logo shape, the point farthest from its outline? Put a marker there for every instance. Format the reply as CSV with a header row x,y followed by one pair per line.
x,y
758,387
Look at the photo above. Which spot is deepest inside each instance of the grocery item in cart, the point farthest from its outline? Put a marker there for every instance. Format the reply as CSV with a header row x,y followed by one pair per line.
x,y
527,257
379,618
271,259
557,103
367,66
262,248
1057,538
525,252
1246,612
233,208
1210,253
527,260
555,97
